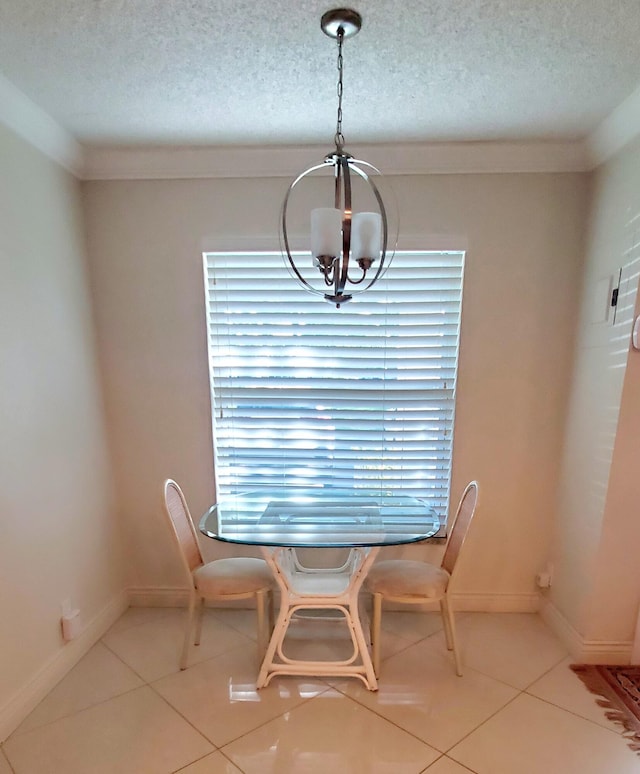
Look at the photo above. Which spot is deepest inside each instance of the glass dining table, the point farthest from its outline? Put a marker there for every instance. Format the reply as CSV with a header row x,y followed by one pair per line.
x,y
282,521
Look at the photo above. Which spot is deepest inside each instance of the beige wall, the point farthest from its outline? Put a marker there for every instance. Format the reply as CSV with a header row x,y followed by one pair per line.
x,y
58,537
597,531
524,235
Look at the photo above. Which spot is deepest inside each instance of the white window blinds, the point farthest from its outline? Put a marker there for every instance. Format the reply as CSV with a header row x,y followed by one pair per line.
x,y
309,395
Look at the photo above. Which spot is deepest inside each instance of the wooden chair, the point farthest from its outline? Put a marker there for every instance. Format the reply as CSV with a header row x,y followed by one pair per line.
x,y
405,581
220,580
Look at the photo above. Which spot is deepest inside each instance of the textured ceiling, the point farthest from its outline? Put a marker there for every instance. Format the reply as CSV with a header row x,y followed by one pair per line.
x,y
130,72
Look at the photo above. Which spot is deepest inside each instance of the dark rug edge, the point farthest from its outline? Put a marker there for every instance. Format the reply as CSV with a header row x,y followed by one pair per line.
x,y
618,706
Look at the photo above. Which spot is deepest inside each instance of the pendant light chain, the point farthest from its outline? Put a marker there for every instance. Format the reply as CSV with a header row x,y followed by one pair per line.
x,y
339,137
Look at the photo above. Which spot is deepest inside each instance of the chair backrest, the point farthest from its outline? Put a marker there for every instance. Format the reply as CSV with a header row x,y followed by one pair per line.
x,y
182,526
461,522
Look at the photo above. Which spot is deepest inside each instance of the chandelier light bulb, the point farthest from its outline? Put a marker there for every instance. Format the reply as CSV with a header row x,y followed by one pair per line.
x,y
366,236
326,233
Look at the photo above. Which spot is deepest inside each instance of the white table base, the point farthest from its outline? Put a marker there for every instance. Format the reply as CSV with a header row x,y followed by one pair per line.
x,y
306,589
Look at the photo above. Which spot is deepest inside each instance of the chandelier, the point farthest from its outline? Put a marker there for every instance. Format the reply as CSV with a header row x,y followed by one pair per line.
x,y
348,247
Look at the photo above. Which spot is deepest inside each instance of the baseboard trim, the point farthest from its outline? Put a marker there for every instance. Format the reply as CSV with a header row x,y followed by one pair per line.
x,y
559,625
50,674
606,652
479,602
158,596
484,602
584,651
174,597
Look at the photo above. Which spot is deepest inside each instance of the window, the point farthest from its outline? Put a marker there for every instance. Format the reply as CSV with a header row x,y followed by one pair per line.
x,y
306,394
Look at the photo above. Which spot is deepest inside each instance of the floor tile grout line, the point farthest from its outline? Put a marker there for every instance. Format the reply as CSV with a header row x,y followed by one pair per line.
x,y
444,755
444,752
522,693
145,683
391,722
473,669
271,720
329,686
17,731
250,642
614,731
235,739
403,650
93,704
218,750
187,721
482,723
118,656
306,701
276,717
141,623
558,706
249,645
546,672
150,684
6,757
183,610
231,626
411,645
73,714
497,679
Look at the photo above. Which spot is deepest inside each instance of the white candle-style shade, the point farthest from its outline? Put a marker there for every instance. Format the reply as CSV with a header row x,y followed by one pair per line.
x,y
366,235
326,232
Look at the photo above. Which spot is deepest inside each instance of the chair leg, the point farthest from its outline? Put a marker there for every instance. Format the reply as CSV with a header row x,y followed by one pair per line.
x,y
196,640
452,628
376,617
445,625
187,633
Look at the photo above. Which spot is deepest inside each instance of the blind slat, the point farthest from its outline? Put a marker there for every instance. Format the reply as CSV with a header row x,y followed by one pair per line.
x,y
305,393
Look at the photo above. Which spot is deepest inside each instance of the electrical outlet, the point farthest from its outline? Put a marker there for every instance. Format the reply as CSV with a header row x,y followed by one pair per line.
x,y
544,577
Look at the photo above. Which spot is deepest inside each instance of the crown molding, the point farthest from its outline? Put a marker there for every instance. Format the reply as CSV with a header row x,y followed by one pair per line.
x,y
30,122
37,127
278,161
620,128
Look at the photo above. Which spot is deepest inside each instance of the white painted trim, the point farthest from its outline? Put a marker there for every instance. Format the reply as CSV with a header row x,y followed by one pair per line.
x,y
33,124
605,652
559,625
37,127
269,243
584,651
158,597
50,674
463,602
177,597
480,602
279,161
635,650
30,122
618,129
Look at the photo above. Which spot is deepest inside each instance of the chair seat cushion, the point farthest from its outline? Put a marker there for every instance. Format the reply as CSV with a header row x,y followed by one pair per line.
x,y
405,578
237,575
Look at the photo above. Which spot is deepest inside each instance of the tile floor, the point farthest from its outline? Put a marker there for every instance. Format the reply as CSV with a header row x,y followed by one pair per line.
x,y
127,709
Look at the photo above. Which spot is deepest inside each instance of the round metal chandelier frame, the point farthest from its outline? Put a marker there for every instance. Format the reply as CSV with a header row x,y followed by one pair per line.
x,y
338,286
